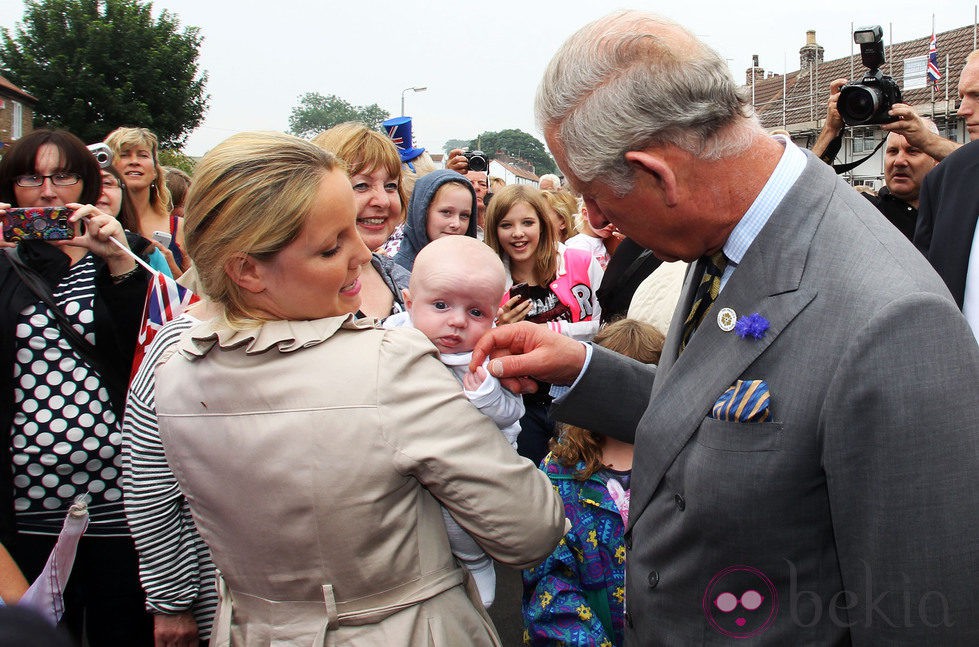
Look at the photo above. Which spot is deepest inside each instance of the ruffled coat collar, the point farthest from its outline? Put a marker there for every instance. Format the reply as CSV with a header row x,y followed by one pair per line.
x,y
283,336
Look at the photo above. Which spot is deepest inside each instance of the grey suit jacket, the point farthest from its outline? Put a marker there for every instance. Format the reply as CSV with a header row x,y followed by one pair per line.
x,y
853,511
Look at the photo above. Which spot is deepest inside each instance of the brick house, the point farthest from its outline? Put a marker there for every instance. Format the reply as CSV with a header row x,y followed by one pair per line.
x,y
16,112
796,101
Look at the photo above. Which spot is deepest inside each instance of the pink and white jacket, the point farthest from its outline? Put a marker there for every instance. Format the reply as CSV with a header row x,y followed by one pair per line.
x,y
576,285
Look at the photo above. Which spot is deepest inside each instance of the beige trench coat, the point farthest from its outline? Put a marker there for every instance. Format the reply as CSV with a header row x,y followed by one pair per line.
x,y
314,456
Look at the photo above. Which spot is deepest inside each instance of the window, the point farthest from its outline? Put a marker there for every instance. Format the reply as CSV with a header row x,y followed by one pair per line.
x,y
864,140
856,143
915,72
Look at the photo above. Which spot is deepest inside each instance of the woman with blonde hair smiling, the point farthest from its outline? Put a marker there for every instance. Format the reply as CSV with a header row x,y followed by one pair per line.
x,y
136,157
329,443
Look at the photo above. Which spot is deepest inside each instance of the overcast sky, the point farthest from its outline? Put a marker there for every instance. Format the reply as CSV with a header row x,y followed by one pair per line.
x,y
481,62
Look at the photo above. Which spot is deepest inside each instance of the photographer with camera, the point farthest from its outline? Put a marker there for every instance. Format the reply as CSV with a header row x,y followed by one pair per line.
x,y
919,132
905,165
875,99
475,166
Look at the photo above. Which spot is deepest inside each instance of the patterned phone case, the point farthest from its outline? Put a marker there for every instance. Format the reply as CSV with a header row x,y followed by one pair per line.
x,y
37,223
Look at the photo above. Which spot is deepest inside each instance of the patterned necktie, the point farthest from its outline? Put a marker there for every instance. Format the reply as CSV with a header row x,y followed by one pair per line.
x,y
710,286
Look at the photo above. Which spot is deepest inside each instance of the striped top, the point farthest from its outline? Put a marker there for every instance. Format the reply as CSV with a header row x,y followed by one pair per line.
x,y
175,566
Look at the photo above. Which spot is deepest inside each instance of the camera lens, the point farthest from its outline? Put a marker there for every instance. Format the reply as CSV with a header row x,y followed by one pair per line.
x,y
858,104
102,153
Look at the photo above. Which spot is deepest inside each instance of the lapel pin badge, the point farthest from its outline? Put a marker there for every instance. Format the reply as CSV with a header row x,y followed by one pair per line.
x,y
727,319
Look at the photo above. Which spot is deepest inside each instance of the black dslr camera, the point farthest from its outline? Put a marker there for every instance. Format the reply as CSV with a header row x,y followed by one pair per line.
x,y
868,100
477,160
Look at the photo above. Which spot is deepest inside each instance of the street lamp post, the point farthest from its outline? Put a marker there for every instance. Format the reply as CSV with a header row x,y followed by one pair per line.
x,y
418,89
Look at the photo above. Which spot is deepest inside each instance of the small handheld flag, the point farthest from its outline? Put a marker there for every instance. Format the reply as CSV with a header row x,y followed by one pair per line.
x,y
165,301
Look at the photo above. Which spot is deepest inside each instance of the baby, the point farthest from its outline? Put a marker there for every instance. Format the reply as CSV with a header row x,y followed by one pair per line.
x,y
453,296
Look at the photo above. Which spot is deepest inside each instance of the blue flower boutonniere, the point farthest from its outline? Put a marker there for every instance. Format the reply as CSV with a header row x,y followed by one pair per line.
x,y
754,326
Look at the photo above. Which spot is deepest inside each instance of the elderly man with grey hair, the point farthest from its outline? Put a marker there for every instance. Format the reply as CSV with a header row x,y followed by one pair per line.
x,y
549,181
806,451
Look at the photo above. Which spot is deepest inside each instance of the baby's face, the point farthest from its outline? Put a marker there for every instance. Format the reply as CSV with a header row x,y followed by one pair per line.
x,y
454,309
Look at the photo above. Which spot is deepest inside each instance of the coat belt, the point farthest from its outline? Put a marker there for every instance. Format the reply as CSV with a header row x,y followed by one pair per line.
x,y
328,613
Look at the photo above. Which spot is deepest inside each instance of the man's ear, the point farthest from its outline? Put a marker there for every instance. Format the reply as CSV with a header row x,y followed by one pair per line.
x,y
245,271
655,167
406,295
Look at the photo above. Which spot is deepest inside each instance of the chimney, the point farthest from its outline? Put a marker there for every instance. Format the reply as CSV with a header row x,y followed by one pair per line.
x,y
754,72
812,53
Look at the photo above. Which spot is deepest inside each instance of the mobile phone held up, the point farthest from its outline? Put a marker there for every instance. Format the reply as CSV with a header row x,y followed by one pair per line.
x,y
521,290
162,237
37,223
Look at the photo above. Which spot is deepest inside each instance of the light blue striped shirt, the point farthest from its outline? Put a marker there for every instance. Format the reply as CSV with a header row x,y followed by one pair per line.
x,y
786,173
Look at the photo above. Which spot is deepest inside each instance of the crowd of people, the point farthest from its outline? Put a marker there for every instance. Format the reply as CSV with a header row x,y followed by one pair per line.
x,y
696,389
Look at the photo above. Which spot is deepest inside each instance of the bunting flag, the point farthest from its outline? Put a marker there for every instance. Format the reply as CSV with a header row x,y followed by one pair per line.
x,y
934,75
165,301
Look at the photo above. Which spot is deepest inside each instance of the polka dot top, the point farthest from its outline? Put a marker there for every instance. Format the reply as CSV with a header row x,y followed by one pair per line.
x,y
65,439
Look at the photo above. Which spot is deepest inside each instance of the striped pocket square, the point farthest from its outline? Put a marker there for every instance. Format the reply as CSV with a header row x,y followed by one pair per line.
x,y
746,401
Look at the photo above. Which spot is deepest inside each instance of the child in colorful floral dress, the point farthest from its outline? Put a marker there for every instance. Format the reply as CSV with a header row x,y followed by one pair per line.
x,y
577,595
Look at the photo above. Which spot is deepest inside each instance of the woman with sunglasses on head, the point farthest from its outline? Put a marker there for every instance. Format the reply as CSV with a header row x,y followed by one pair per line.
x,y
71,310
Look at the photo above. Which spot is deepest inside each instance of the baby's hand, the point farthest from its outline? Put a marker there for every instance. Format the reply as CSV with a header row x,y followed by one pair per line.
x,y
473,380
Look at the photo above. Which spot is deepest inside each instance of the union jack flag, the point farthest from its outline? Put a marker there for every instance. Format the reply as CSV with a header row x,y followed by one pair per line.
x,y
165,301
933,74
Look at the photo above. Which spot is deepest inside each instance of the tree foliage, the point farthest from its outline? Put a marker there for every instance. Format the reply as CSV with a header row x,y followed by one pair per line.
x,y
95,65
516,143
316,113
177,159
454,143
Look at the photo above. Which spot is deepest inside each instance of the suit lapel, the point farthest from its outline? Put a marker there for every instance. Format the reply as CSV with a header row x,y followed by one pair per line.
x,y
671,347
769,281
